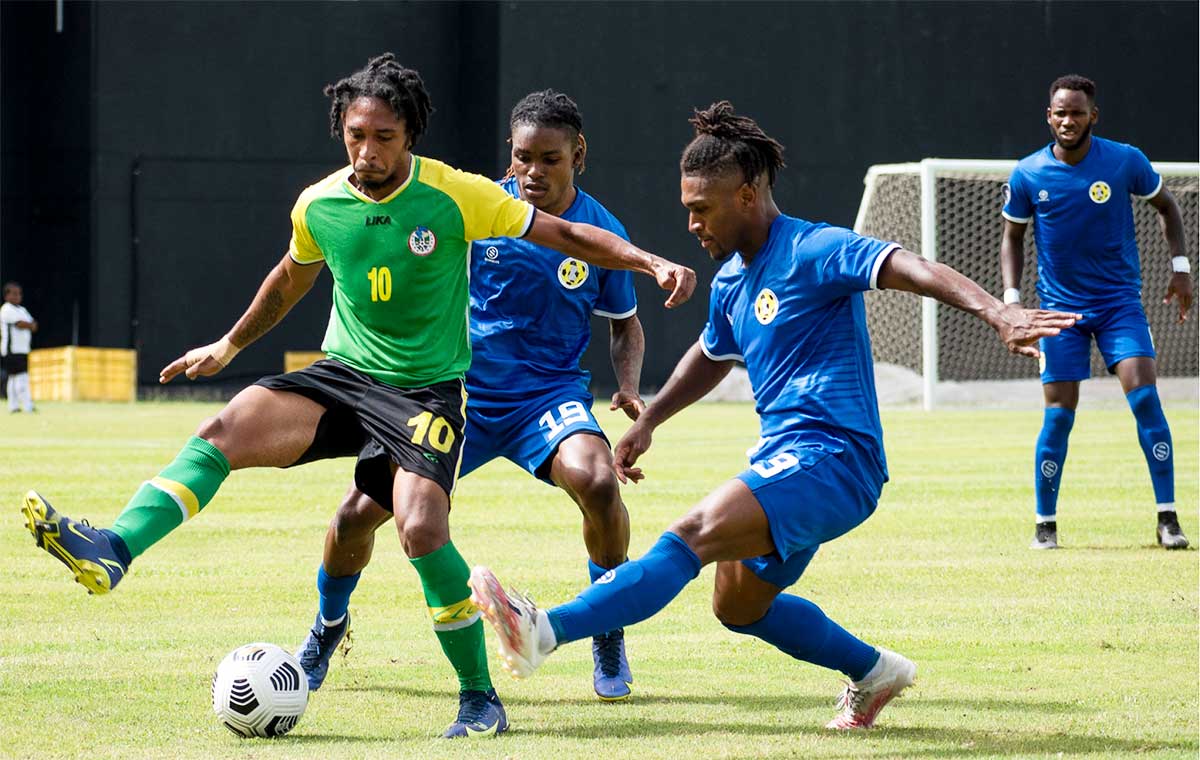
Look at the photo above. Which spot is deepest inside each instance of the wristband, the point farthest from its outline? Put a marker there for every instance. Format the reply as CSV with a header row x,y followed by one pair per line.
x,y
224,351
1181,264
1012,295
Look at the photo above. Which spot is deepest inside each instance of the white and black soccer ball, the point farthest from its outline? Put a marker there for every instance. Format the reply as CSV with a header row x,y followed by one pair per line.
x,y
259,690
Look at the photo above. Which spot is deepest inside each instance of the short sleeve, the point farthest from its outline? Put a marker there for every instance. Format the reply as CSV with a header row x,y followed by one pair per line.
x,y
303,247
8,315
488,211
1144,182
1018,206
617,299
717,341
850,261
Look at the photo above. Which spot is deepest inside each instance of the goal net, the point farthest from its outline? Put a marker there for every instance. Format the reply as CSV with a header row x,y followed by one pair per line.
x,y
948,210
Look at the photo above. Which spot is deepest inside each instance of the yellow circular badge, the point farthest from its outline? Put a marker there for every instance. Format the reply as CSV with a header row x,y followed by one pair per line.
x,y
1099,192
766,306
572,273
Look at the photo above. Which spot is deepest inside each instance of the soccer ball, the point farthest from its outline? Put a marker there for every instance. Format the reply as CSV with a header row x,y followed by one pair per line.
x,y
259,690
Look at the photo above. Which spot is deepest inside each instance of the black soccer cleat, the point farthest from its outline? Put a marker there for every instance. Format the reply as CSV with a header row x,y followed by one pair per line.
x,y
1169,534
1045,536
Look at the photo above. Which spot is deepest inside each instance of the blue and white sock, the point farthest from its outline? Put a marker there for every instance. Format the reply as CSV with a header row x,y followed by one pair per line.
x,y
631,592
799,628
1155,437
1051,455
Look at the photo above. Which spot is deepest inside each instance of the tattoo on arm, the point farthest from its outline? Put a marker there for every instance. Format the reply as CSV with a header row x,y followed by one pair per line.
x,y
260,318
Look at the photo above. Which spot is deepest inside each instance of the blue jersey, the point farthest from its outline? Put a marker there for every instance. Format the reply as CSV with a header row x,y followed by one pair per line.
x,y
1083,221
531,309
795,316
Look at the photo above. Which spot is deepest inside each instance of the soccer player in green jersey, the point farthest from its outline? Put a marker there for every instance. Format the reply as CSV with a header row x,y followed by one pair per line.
x,y
394,229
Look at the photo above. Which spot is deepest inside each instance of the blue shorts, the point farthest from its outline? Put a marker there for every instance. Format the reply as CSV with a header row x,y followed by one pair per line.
x,y
1121,332
526,432
810,496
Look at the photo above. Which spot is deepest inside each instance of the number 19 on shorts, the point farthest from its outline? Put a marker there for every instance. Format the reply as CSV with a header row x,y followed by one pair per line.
x,y
568,414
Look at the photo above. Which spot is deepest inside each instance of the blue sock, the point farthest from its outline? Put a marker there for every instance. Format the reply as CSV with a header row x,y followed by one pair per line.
x,y
637,589
335,593
1155,437
799,628
595,571
1049,459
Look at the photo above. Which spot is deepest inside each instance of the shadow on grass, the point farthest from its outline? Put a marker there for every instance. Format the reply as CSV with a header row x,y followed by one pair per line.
x,y
624,721
758,702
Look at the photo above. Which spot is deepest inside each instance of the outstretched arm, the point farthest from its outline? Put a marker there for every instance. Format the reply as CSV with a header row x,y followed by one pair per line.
x,y
1019,328
282,289
694,376
604,249
1170,220
1012,259
626,347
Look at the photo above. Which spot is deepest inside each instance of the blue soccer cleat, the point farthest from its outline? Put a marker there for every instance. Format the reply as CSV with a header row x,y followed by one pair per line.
x,y
611,675
79,546
479,714
320,644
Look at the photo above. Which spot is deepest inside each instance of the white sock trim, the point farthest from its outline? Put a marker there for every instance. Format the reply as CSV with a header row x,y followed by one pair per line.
x,y
875,669
1167,507
1046,518
328,623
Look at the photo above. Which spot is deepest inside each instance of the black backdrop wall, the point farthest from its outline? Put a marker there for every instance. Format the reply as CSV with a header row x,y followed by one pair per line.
x,y
152,150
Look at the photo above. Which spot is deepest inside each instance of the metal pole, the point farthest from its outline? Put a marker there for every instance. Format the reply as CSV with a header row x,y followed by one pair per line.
x,y
929,336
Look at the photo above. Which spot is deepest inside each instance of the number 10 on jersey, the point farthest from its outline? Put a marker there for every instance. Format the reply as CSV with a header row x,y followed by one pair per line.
x,y
381,283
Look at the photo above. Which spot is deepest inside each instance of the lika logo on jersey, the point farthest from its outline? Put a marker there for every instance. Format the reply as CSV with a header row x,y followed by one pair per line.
x,y
422,241
1043,195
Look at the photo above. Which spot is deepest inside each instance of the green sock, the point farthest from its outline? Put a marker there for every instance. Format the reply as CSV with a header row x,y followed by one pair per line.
x,y
456,620
179,492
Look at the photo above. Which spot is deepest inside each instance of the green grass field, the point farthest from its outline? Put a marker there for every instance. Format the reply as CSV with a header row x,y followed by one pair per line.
x,y
1086,652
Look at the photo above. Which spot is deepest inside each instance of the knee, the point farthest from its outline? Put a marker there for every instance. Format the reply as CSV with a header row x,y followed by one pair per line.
x,y
215,430
1058,420
734,612
598,494
356,519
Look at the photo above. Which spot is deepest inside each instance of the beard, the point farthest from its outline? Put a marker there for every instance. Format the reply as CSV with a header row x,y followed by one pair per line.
x,y
1087,131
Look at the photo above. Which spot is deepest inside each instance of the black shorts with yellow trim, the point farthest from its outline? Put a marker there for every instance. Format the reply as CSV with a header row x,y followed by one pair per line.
x,y
419,430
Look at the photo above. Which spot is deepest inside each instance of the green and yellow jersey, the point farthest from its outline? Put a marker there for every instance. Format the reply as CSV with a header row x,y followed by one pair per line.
x,y
400,266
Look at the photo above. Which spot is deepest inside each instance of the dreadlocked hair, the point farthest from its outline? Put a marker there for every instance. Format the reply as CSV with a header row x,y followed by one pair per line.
x,y
548,108
387,79
725,141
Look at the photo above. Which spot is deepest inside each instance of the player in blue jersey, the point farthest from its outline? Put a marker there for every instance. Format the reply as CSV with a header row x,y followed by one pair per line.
x,y
530,312
787,301
1076,192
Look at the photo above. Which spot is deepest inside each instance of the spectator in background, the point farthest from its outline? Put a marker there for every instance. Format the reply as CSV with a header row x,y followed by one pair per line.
x,y
17,327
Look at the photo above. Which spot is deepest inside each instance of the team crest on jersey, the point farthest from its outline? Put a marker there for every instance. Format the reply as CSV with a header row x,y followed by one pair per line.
x,y
572,273
1043,195
1099,192
766,306
422,241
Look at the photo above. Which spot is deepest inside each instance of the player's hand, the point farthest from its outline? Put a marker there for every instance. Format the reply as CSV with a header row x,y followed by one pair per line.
x,y
629,402
201,362
678,279
632,445
1181,286
1020,329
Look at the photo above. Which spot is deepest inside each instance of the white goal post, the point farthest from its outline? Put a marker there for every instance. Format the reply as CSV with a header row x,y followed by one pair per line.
x,y
948,210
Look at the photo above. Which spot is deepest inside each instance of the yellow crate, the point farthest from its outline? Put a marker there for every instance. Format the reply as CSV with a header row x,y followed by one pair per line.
x,y
80,373
294,360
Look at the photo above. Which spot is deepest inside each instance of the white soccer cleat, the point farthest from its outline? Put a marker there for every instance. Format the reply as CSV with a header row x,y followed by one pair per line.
x,y
860,702
516,619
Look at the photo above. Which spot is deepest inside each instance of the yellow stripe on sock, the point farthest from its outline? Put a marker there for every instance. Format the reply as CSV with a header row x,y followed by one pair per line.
x,y
187,501
454,613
